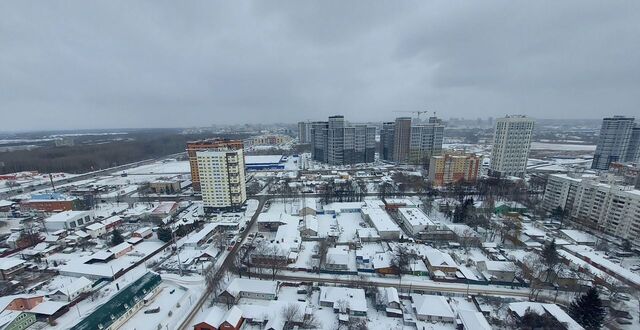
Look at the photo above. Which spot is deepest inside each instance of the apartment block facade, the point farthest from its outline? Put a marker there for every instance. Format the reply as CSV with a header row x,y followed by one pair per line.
x,y
511,145
212,144
451,168
405,143
336,143
619,141
601,203
222,178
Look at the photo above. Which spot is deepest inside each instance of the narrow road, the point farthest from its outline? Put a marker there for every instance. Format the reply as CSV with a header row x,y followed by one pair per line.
x,y
412,285
227,261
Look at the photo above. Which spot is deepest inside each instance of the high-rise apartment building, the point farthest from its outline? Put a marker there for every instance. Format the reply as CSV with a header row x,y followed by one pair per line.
x,y
386,141
618,142
212,144
304,132
451,168
511,145
602,203
402,142
319,141
425,141
337,143
401,139
222,178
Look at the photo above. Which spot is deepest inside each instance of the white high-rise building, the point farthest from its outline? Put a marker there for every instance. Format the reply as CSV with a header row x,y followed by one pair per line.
x,y
222,178
511,144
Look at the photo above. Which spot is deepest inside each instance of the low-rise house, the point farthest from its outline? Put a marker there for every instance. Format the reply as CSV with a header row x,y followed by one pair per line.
x,y
218,318
9,267
249,288
112,223
120,249
199,238
344,300
69,220
389,300
96,230
439,262
472,320
432,308
270,221
578,237
499,271
337,259
72,290
144,232
310,226
519,309
506,208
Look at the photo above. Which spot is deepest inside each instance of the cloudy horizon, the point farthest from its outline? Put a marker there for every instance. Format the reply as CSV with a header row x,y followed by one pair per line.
x,y
118,64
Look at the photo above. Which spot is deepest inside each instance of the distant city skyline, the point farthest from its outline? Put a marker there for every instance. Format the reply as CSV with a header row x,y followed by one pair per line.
x,y
88,65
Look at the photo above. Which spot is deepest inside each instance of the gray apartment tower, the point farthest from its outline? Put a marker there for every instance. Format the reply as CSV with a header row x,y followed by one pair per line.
x,y
336,143
386,141
619,141
304,132
403,142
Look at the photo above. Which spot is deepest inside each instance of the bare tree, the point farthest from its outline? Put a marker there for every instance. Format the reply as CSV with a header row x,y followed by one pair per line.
x,y
292,315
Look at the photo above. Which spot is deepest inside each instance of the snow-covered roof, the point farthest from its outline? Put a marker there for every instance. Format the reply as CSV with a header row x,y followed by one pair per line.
x,y
119,248
579,236
415,216
164,208
66,216
354,298
390,294
520,308
436,257
283,218
5,203
8,263
498,266
338,256
251,285
48,307
379,218
431,305
95,226
473,320
262,159
81,234
204,232
73,287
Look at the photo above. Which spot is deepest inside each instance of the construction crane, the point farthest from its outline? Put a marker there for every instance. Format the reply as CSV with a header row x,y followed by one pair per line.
x,y
418,112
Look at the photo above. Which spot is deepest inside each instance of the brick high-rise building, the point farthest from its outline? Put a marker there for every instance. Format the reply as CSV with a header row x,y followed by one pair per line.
x,y
213,144
451,168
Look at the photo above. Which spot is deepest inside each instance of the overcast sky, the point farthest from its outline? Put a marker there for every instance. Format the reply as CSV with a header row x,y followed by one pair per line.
x,y
121,64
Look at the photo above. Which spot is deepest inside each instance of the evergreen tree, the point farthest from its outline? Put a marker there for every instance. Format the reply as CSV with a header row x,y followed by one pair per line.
x,y
532,320
164,234
587,310
550,255
116,237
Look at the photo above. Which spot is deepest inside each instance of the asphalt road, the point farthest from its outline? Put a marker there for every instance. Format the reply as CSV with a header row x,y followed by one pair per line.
x,y
227,261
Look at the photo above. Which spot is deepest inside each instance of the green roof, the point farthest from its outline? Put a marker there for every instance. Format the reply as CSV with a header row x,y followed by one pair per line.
x,y
106,314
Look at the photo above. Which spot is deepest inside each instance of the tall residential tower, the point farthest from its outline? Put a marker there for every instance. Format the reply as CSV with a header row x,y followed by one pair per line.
x,y
511,145
336,143
618,142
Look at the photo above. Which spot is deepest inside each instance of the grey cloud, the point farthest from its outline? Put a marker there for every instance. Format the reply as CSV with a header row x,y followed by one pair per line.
x,y
79,64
